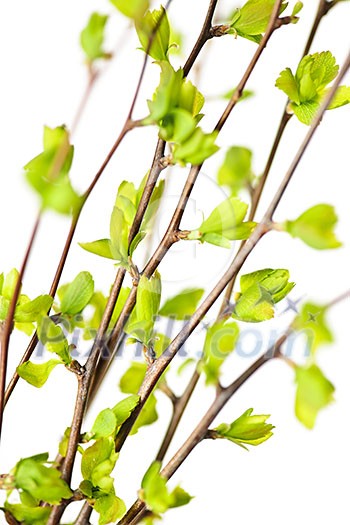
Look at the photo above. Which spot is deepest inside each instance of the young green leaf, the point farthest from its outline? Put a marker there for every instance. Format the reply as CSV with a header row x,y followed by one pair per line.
x,y
260,291
251,20
341,97
110,508
196,149
37,374
141,321
134,9
219,343
167,94
98,462
102,247
9,283
314,392
77,294
155,493
92,38
224,224
130,383
315,227
248,429
41,482
105,424
154,26
312,321
123,409
48,172
236,170
307,88
119,231
30,515
54,340
29,312
183,304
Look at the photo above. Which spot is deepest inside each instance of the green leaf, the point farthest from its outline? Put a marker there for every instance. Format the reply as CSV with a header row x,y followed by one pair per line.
x,y
314,392
110,508
196,149
28,514
102,247
9,284
155,493
154,26
341,98
274,281
31,310
308,86
219,343
226,216
134,9
130,383
53,338
41,482
260,290
248,429
105,424
98,462
131,380
254,16
312,321
154,490
183,304
167,94
236,170
92,37
119,231
48,172
297,8
142,319
37,374
77,294
286,82
316,227
123,409
306,111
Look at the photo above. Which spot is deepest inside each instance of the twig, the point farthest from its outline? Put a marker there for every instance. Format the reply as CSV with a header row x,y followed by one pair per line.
x,y
156,370
323,9
224,394
8,323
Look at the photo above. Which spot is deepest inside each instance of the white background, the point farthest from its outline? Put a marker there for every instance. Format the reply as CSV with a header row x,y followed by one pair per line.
x,y
297,476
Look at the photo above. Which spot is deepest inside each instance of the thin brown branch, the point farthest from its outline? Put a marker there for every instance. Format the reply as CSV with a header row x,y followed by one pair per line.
x,y
7,327
323,9
136,511
179,409
156,370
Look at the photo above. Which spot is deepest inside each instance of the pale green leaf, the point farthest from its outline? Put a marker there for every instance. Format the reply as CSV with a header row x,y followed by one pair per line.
x,y
154,26
101,247
248,429
314,392
77,294
236,170
134,9
316,227
183,304
37,374
92,37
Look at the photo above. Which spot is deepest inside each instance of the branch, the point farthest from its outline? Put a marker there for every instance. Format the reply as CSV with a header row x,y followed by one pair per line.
x,y
170,236
6,329
224,394
156,370
323,9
